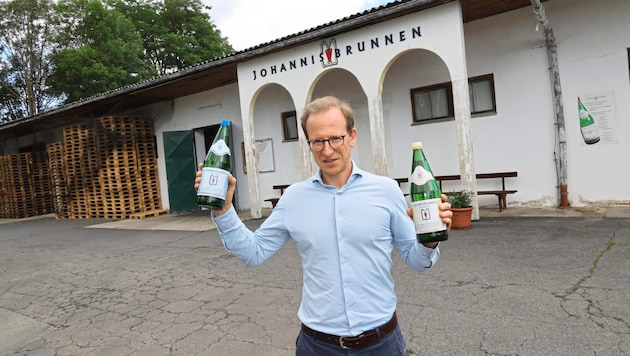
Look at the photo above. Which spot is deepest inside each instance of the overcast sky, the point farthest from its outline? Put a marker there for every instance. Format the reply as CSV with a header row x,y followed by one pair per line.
x,y
247,23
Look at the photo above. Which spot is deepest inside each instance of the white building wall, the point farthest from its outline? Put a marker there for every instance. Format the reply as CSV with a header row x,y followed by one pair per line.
x,y
521,136
592,51
593,41
193,112
275,100
438,29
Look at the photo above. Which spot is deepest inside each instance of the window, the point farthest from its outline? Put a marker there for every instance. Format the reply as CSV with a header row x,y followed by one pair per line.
x,y
481,91
435,102
431,103
289,126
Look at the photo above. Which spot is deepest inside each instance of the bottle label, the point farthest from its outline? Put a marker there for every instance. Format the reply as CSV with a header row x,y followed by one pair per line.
x,y
420,176
426,216
220,148
214,182
590,133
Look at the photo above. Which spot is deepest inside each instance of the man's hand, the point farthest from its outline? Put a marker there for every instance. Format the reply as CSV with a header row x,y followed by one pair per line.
x,y
229,195
445,212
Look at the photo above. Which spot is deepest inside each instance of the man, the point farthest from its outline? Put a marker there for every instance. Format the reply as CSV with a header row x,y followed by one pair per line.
x,y
345,222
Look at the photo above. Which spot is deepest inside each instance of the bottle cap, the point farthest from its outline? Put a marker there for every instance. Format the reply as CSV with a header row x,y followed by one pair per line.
x,y
416,145
225,122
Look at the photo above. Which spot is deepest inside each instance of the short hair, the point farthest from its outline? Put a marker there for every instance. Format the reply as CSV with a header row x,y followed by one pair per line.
x,y
323,104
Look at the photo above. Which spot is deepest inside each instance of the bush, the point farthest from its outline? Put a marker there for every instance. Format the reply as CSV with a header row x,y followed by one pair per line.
x,y
460,199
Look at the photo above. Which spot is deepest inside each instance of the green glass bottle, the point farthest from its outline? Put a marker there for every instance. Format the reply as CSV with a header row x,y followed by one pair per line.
x,y
425,196
216,170
590,133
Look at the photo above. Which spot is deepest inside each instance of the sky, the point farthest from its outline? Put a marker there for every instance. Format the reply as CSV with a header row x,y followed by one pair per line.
x,y
247,23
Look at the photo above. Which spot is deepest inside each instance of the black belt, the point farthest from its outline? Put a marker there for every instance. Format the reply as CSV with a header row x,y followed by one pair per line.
x,y
353,342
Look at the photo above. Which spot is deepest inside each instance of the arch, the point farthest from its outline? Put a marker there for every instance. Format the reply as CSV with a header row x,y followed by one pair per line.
x,y
263,124
344,84
396,82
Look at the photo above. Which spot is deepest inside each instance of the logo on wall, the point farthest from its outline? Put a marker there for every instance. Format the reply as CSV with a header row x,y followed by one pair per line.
x,y
328,54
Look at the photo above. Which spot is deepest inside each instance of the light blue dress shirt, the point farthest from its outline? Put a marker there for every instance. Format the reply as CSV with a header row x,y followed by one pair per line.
x,y
345,238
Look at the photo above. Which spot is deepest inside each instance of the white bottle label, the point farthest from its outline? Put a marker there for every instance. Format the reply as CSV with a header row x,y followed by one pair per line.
x,y
590,132
420,176
214,182
426,216
220,148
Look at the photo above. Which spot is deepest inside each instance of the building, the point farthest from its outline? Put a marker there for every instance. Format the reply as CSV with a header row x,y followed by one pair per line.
x,y
487,86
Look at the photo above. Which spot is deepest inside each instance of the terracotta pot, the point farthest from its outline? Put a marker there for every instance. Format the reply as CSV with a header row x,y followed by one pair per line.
x,y
461,218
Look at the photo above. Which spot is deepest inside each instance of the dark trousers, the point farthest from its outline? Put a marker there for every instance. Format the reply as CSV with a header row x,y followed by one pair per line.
x,y
391,345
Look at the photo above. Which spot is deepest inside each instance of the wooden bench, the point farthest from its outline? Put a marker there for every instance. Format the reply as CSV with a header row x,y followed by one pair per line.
x,y
400,181
274,201
501,194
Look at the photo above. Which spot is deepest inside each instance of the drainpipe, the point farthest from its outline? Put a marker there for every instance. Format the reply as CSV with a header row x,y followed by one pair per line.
x,y
552,57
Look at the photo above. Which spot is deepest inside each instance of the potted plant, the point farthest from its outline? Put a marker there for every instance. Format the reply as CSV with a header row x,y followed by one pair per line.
x,y
461,205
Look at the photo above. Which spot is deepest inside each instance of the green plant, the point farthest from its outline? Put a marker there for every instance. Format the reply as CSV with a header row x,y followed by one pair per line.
x,y
460,199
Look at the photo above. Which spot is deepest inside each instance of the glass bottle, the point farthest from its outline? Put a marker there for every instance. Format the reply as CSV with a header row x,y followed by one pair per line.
x,y
425,196
590,133
216,169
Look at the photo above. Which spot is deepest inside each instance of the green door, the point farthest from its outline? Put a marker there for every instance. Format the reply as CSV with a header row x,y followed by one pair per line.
x,y
179,154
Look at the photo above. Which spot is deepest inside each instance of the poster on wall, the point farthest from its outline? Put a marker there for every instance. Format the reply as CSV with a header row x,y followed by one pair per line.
x,y
598,118
264,155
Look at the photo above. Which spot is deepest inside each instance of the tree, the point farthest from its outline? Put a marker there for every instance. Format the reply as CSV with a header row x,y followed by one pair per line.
x,y
99,50
25,43
176,33
59,51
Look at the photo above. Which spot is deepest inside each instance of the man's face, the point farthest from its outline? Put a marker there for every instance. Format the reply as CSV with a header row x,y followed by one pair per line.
x,y
334,162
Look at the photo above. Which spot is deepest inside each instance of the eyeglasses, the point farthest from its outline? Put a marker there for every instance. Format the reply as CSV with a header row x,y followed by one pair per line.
x,y
334,142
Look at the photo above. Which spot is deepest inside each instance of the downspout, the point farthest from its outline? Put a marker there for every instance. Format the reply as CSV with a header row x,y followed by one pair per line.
x,y
552,57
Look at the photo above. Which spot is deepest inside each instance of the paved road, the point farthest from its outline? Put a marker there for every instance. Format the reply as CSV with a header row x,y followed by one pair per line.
x,y
508,286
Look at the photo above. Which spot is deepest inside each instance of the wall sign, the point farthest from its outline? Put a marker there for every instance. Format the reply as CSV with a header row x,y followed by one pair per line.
x,y
264,155
600,111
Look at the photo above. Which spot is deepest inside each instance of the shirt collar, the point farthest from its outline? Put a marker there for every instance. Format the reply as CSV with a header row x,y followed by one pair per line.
x,y
354,175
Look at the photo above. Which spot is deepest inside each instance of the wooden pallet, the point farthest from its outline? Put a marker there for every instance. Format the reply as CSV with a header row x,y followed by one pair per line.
x,y
147,214
102,168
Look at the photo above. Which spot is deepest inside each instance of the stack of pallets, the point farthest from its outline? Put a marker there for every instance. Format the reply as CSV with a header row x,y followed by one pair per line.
x,y
147,168
58,186
106,168
42,197
128,166
15,186
24,185
78,141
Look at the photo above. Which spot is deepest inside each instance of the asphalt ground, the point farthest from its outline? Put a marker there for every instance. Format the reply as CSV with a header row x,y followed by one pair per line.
x,y
516,283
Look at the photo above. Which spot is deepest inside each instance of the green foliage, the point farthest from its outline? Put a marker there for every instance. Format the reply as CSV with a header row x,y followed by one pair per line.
x,y
25,42
100,51
460,199
55,52
175,33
